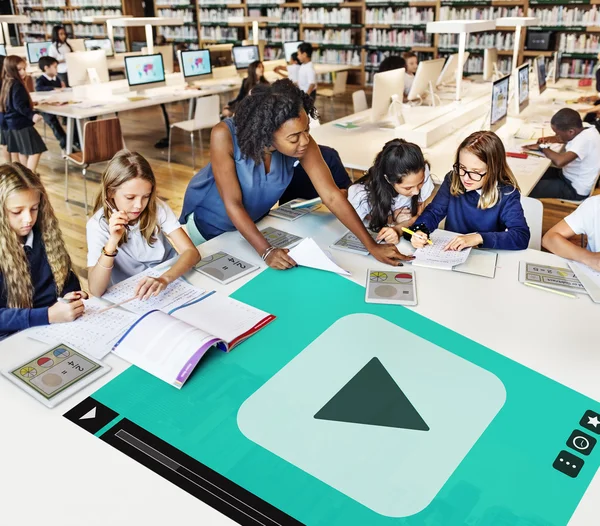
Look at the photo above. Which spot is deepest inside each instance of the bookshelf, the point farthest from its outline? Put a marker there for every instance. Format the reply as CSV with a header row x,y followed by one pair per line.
x,y
360,33
45,14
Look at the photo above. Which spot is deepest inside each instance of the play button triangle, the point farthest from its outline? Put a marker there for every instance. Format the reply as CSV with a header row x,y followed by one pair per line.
x,y
372,397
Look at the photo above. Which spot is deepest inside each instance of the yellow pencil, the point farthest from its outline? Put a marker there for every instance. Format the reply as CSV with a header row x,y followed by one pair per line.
x,y
560,293
409,231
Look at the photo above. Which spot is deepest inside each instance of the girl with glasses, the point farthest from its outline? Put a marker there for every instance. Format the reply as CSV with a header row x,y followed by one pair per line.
x,y
392,193
479,198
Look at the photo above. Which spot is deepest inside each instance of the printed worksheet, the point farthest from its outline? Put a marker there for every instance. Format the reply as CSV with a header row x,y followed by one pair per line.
x,y
175,295
94,333
435,256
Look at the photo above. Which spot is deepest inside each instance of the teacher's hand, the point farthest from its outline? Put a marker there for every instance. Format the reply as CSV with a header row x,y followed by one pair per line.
x,y
279,259
389,255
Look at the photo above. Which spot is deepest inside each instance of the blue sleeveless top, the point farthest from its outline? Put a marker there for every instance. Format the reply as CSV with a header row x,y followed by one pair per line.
x,y
260,191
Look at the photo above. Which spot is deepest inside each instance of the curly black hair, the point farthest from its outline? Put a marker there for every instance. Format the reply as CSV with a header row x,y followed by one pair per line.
x,y
264,111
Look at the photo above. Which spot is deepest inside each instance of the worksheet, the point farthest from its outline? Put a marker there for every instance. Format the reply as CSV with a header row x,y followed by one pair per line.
x,y
435,256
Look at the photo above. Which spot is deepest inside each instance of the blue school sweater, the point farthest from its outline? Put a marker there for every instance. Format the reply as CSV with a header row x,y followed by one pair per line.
x,y
18,114
502,227
44,295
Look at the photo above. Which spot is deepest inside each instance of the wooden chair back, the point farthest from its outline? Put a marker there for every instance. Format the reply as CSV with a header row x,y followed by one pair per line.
x,y
102,140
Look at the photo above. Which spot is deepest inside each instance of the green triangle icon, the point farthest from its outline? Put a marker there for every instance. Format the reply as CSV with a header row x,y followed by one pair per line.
x,y
372,397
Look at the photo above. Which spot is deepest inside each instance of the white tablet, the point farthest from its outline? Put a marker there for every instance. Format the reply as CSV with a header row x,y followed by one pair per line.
x,y
279,238
56,374
391,287
223,267
350,243
557,278
289,212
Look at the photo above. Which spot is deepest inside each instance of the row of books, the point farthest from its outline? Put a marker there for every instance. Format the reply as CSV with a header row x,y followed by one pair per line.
x,y
579,43
399,15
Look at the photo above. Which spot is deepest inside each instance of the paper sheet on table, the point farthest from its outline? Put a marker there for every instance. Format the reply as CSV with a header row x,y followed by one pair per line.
x,y
594,275
309,254
92,333
175,295
435,255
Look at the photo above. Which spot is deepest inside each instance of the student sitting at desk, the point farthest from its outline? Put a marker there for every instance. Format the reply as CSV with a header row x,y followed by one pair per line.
x,y
291,70
49,81
256,72
583,221
35,268
576,169
128,232
392,193
479,198
252,161
412,63
301,187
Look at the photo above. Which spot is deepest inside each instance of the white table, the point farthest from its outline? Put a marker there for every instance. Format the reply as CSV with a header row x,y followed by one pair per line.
x,y
95,100
553,335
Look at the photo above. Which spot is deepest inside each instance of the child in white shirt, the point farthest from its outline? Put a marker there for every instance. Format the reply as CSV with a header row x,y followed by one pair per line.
x,y
59,49
128,231
292,69
575,170
307,76
584,220
392,193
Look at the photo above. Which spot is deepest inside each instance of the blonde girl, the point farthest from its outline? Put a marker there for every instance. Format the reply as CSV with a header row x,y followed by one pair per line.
x,y
479,198
35,268
18,116
128,231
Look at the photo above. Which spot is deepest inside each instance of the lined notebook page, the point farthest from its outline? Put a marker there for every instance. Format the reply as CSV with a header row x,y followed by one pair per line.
x,y
222,316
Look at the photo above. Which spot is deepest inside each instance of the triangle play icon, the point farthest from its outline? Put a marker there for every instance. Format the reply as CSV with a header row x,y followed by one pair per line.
x,y
372,397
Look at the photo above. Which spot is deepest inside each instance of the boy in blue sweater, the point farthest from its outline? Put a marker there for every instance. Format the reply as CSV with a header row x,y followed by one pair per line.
x,y
49,81
480,200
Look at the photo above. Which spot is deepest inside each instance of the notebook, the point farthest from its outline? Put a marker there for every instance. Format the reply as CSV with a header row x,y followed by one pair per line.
x,y
169,345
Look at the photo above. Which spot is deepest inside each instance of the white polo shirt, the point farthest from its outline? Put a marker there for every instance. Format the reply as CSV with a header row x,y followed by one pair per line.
x,y
293,72
136,255
59,51
357,195
307,76
583,171
586,220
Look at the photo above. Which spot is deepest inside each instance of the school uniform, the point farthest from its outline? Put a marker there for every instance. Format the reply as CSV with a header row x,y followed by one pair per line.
x,y
44,290
301,186
46,83
136,255
21,135
359,199
307,76
586,220
59,51
576,179
502,226
293,72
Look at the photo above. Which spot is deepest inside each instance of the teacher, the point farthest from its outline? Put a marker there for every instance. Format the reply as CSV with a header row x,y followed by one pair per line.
x,y
252,158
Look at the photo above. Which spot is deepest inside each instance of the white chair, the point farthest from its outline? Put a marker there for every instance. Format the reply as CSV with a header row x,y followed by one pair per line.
x,y
359,101
167,55
207,115
534,215
339,88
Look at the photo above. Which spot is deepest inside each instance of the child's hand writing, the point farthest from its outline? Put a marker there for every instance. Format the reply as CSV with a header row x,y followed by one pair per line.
x,y
388,235
117,225
419,239
461,242
64,312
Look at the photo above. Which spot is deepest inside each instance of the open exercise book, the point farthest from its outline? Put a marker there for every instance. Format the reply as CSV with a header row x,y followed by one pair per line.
x,y
174,332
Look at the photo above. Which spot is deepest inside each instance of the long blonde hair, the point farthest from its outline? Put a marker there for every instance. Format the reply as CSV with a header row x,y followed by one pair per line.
x,y
14,177
124,167
488,148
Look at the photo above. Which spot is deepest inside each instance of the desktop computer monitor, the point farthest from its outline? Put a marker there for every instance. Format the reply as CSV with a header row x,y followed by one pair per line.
x,y
522,87
490,61
243,56
388,88
289,48
81,64
448,74
35,50
145,71
2,50
91,44
499,108
195,64
425,77
540,67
